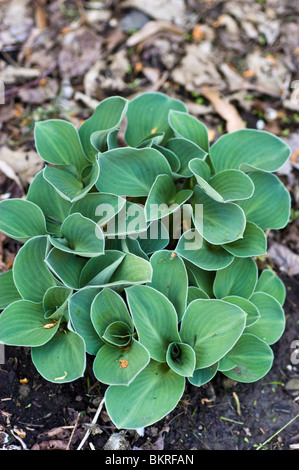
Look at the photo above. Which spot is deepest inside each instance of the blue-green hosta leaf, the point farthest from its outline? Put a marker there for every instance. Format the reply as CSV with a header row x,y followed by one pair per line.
x,y
155,320
249,360
170,156
99,207
217,222
202,175
94,132
211,327
232,185
21,219
153,394
23,323
57,142
98,271
253,243
239,278
31,274
127,245
118,334
247,306
170,278
69,186
130,220
203,376
147,115
185,151
247,148
164,199
154,140
55,302
155,238
270,283
271,324
112,142
80,236
181,358
196,293
54,207
119,366
263,208
202,254
80,310
132,270
127,171
187,126
62,359
8,290
109,307
200,278
66,266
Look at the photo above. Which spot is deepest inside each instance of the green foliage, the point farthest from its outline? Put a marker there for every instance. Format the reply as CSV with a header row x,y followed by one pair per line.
x,y
143,255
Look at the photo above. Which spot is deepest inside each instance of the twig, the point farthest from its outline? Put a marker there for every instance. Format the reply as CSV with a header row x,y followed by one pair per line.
x,y
281,429
14,90
95,418
73,431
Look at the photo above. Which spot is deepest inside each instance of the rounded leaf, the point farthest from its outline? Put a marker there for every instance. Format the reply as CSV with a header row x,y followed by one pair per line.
x,y
181,358
211,327
271,284
271,324
262,208
120,366
21,219
257,149
250,359
8,290
23,323
155,320
31,274
239,278
170,278
202,254
127,171
62,359
80,315
142,125
154,393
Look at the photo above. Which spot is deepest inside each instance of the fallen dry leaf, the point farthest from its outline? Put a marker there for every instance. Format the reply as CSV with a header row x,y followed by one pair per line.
x,y
226,110
23,165
170,10
287,260
153,28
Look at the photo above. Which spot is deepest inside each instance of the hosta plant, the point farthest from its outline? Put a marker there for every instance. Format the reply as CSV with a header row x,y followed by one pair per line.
x,y
139,249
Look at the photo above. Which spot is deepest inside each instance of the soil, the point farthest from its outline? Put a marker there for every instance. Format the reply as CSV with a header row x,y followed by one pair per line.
x,y
222,415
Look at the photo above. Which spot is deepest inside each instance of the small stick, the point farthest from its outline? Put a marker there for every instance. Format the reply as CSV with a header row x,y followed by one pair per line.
x,y
95,418
281,429
35,82
73,431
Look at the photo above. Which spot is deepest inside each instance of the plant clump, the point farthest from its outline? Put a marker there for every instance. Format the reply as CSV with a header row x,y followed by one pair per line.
x,y
142,254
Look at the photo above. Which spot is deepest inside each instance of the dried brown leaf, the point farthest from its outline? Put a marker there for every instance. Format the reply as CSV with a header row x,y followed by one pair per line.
x,y
225,109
